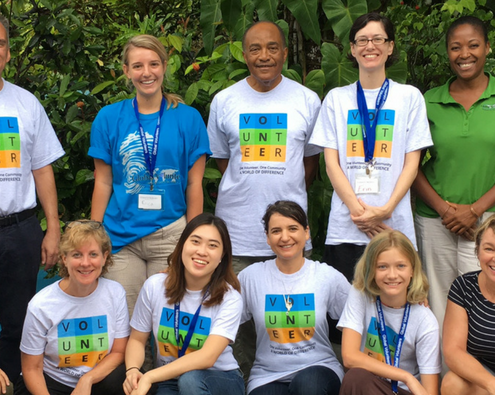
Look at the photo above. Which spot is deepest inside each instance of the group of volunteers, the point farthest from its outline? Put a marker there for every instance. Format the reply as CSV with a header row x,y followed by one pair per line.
x,y
158,297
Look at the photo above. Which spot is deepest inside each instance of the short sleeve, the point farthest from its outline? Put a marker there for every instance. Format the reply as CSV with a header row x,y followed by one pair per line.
x,y
324,133
246,311
142,317
218,139
199,144
354,312
457,292
34,332
418,128
340,292
100,147
227,319
46,147
122,328
314,110
428,346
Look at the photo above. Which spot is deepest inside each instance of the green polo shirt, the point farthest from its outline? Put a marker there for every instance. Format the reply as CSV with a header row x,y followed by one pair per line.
x,y
462,164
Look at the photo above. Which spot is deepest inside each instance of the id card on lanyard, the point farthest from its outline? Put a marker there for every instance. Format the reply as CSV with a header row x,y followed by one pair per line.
x,y
400,339
190,330
369,182
150,201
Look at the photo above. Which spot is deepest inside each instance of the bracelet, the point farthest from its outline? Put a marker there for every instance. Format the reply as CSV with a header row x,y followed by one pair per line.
x,y
474,212
454,206
445,212
134,367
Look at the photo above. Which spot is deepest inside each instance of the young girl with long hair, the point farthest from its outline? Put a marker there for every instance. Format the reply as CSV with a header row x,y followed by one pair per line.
x,y
390,340
194,311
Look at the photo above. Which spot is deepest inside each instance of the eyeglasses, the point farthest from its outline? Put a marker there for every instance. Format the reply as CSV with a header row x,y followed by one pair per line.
x,y
363,42
92,224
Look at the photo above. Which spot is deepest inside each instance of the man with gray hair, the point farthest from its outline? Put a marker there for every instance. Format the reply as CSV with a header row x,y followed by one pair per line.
x,y
259,130
28,146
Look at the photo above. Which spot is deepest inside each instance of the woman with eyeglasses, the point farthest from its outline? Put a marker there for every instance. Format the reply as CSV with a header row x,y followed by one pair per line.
x,y
372,132
76,329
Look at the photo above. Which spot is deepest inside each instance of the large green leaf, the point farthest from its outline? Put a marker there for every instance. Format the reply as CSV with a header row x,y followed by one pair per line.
x,y
292,74
98,88
212,174
305,12
337,68
341,16
267,9
209,19
192,93
236,51
64,84
245,20
374,5
285,28
398,72
83,176
231,11
315,80
176,41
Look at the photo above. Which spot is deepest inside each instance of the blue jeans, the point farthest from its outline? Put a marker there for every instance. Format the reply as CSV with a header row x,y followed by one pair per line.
x,y
20,258
315,380
204,382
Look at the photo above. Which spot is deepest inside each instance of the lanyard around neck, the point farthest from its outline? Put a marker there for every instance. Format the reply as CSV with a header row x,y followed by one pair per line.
x,y
190,330
150,159
400,339
369,129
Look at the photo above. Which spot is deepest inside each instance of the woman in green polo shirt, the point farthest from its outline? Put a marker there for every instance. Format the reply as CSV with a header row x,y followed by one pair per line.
x,y
455,187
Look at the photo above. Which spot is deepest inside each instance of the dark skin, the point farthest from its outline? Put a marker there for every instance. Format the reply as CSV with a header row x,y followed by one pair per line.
x,y
467,50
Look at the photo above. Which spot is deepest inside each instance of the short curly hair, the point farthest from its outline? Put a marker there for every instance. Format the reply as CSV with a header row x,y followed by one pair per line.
x,y
77,234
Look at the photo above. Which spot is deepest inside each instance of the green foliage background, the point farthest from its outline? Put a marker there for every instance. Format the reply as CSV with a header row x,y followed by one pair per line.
x,y
67,52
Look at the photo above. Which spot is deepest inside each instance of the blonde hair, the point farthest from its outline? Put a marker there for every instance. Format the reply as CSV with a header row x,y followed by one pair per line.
x,y
364,273
152,43
489,223
77,234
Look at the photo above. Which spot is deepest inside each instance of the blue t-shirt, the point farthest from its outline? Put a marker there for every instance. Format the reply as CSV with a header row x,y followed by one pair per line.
x,y
115,139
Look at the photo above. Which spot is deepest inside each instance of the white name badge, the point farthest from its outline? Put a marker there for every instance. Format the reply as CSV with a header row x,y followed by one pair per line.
x,y
149,202
367,184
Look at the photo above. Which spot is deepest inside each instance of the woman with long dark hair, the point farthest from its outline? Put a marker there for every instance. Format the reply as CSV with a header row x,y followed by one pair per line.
x,y
193,311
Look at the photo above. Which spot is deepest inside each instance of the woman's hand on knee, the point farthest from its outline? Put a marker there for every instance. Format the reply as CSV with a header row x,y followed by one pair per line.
x,y
4,382
143,386
133,376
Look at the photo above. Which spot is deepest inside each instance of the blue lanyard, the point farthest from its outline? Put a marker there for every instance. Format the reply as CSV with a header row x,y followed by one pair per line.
x,y
369,129
400,339
190,331
150,159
